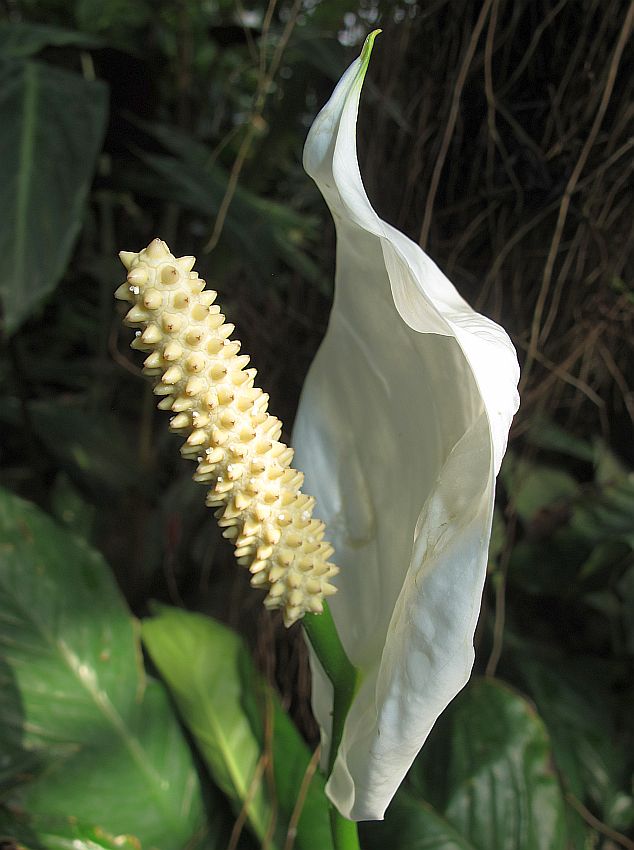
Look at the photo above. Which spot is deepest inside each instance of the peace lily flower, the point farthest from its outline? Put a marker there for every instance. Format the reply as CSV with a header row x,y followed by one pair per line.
x,y
401,430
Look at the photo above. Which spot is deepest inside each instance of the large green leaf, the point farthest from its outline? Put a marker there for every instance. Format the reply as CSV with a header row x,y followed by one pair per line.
x,y
60,834
51,130
82,732
574,697
487,771
227,707
412,824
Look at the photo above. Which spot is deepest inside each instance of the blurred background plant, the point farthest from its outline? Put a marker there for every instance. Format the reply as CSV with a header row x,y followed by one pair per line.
x,y
495,133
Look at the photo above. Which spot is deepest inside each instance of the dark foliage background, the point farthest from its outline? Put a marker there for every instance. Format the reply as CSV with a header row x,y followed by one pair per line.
x,y
498,134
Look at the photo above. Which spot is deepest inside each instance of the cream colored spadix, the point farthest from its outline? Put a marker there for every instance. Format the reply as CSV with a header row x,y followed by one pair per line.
x,y
234,440
401,429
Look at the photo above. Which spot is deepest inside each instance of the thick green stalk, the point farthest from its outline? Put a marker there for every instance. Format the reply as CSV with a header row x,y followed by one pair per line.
x,y
323,637
344,832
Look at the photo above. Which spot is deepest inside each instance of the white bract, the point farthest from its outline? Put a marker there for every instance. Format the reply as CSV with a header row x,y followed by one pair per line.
x,y
401,430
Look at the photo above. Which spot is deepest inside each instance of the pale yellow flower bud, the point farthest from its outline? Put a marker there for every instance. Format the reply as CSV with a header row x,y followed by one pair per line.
x,y
202,379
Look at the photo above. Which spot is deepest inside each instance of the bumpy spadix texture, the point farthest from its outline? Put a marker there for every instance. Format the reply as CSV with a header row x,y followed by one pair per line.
x,y
401,430
204,381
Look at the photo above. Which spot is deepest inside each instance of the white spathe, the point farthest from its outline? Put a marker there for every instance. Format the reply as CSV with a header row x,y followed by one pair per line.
x,y
401,430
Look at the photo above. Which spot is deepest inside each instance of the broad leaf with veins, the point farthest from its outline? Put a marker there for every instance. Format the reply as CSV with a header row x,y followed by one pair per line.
x,y
83,733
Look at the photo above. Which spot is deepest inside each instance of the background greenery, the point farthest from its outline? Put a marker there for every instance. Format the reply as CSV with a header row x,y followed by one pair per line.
x,y
496,134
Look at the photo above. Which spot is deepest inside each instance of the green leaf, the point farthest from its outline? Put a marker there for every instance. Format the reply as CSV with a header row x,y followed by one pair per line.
x,y
573,696
23,39
608,468
51,129
60,834
82,732
608,514
547,435
537,488
88,444
412,824
580,539
487,770
69,507
227,707
260,229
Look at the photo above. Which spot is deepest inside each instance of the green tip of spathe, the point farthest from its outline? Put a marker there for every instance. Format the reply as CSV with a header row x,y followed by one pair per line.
x,y
367,51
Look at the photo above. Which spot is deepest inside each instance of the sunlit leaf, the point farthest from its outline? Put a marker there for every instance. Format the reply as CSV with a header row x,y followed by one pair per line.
x,y
82,732
60,834
228,709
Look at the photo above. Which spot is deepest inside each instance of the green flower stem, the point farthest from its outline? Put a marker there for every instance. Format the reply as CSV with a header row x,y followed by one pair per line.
x,y
322,633
344,831
323,637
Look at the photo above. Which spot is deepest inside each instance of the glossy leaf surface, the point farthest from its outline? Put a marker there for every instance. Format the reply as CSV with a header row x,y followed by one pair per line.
x,y
487,769
412,824
84,733
252,749
60,834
